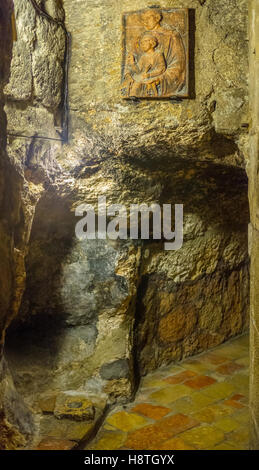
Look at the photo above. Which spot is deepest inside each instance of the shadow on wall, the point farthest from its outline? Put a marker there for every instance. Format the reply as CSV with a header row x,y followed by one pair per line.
x,y
95,313
70,285
16,423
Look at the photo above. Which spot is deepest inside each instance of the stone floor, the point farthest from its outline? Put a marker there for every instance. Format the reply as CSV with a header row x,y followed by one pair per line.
x,y
200,403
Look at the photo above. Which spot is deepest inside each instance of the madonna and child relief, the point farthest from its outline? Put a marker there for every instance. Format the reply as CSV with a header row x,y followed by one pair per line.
x,y
155,63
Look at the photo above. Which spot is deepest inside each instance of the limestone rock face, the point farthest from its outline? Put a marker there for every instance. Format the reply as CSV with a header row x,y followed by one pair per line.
x,y
16,422
193,152
37,53
158,132
115,370
253,229
176,320
93,315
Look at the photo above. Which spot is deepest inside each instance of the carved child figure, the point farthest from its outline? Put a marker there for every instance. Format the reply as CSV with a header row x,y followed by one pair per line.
x,y
142,74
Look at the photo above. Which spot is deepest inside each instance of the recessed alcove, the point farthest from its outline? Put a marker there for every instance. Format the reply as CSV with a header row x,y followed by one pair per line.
x,y
88,326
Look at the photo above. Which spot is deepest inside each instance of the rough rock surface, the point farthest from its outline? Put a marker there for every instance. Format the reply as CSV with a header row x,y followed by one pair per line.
x,y
254,226
94,315
159,132
16,423
74,406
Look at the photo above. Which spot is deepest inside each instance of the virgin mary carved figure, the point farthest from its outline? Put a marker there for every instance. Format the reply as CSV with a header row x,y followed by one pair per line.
x,y
156,66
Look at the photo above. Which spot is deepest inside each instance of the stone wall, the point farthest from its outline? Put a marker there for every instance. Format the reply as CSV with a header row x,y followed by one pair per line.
x,y
254,238
96,315
16,423
193,152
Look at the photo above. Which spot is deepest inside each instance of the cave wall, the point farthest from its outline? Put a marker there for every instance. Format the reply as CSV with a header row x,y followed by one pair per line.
x,y
193,152
254,238
95,315
16,423
5,246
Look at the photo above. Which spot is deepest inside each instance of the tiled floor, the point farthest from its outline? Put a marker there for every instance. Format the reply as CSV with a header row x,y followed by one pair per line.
x,y
200,403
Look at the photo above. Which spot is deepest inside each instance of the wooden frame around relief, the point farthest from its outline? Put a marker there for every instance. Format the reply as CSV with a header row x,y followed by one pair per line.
x,y
171,35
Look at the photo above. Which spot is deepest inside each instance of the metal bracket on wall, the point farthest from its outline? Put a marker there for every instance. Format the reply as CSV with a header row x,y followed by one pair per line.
x,y
40,137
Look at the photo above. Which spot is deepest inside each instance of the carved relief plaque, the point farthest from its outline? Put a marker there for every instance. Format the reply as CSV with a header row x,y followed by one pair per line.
x,y
155,53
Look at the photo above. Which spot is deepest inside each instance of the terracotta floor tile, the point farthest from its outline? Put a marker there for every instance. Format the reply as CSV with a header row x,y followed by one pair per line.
x,y
152,437
240,383
177,423
196,366
186,406
232,350
175,369
243,417
169,394
213,358
239,445
224,446
227,424
108,441
234,404
142,395
238,397
219,390
244,361
200,400
240,436
151,411
152,382
126,421
243,341
211,413
147,438
176,444
203,437
189,404
200,382
229,369
183,405
179,378
109,427
55,444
